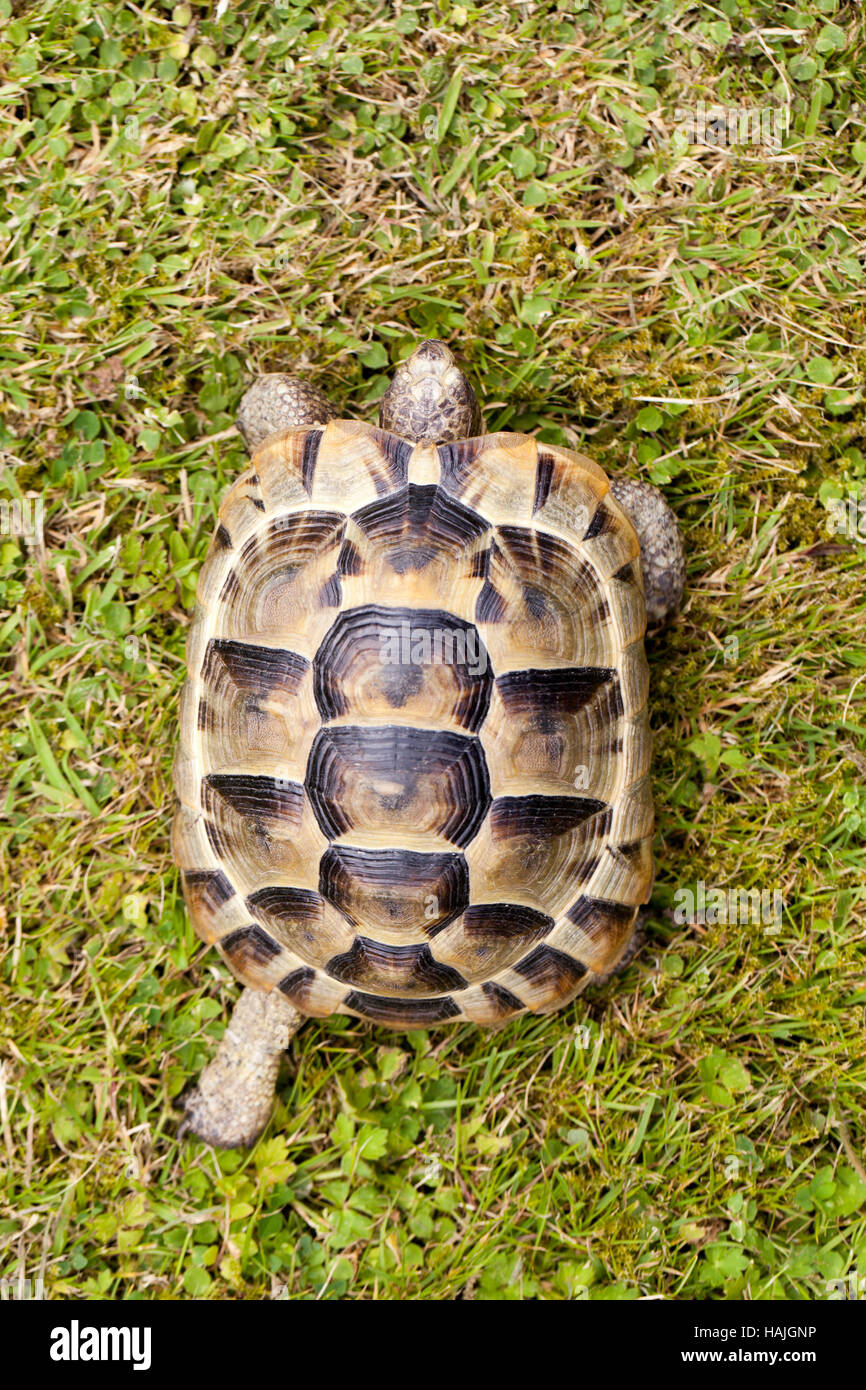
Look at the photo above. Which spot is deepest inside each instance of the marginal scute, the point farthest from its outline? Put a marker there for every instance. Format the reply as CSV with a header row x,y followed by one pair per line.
x,y
568,490
312,992
595,930
610,541
285,465
549,978
490,1004
254,956
249,946
401,1013
413,770
356,463
494,475
212,903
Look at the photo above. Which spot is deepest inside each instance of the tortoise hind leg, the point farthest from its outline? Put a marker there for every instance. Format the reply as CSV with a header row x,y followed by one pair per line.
x,y
231,1103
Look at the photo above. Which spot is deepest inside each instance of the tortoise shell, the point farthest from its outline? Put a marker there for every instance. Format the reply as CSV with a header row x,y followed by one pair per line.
x,y
413,771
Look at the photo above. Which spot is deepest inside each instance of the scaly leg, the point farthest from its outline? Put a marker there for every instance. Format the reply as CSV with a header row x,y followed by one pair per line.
x,y
662,559
277,402
232,1101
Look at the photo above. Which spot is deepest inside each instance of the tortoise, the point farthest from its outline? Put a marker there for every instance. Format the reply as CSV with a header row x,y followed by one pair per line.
x,y
413,769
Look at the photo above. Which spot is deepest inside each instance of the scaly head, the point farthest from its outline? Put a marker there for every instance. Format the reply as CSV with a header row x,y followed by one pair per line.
x,y
430,398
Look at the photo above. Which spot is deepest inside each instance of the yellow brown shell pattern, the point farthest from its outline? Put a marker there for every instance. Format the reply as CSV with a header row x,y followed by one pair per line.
x,y
413,769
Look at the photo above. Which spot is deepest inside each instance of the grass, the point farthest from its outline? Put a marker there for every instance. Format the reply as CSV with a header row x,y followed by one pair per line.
x,y
189,198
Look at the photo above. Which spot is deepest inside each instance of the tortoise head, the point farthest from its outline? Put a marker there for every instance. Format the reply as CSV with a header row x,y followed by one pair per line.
x,y
430,398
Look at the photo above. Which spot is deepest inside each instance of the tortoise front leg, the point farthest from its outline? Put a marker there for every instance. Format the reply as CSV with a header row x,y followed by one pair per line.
x,y
662,558
277,402
231,1103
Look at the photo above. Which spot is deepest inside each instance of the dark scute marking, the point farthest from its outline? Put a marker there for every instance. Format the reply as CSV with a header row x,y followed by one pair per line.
x,y
600,613
543,816
204,714
308,460
546,966
480,564
456,461
360,633
401,754
230,588
249,946
400,683
298,906
257,502
538,550
304,534
331,593
330,700
626,574
253,480
349,562
505,921
470,708
396,453
543,479
251,553
223,538
345,873
503,1001
260,798
588,867
216,839
405,1013
602,521
296,986
254,670
374,965
536,601
561,691
633,851
208,888
596,915
420,521
490,606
